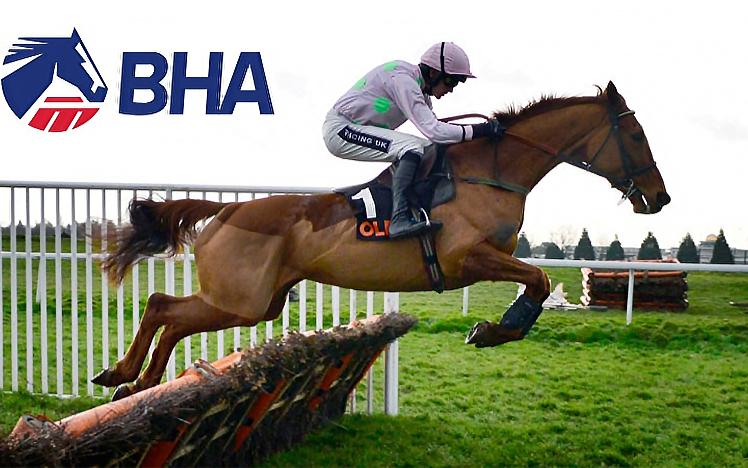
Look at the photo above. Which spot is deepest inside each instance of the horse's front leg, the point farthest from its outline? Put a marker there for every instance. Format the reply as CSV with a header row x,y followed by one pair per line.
x,y
485,262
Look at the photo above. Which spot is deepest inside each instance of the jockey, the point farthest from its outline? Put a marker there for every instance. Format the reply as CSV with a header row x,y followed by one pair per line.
x,y
361,125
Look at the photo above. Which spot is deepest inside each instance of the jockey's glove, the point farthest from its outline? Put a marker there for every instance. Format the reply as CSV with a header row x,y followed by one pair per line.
x,y
491,128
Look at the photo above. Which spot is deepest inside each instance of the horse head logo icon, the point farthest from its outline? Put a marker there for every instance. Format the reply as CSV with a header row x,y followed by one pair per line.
x,y
44,58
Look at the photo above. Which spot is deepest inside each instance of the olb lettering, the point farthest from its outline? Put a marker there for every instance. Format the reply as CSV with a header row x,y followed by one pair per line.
x,y
180,83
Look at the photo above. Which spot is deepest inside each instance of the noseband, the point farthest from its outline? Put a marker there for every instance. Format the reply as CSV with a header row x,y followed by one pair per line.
x,y
625,184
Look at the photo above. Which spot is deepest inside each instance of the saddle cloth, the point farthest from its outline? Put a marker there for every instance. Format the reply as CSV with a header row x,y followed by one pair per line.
x,y
372,201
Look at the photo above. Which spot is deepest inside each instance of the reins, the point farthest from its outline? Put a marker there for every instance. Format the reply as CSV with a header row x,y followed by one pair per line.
x,y
535,144
626,184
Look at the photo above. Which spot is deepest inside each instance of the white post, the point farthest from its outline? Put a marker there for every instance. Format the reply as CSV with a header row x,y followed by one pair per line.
x,y
219,333
151,285
29,301
89,299
13,295
204,335
104,294
302,306
465,294
369,303
171,367
73,295
41,295
237,330
320,307
370,374
253,336
285,321
352,306
187,291
335,292
58,293
630,299
391,305
351,319
135,290
268,330
120,293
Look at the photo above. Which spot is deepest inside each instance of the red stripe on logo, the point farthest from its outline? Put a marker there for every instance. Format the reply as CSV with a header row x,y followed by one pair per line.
x,y
62,120
63,99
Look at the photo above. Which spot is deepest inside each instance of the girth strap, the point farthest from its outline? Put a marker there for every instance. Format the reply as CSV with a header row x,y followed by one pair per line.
x,y
497,184
430,260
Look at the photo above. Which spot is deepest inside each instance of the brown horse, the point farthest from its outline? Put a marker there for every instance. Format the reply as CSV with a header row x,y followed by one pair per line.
x,y
252,253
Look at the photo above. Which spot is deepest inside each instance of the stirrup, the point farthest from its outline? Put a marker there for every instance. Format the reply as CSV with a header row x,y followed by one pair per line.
x,y
432,225
414,228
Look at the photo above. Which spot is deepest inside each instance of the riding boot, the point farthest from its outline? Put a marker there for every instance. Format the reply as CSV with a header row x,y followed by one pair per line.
x,y
402,224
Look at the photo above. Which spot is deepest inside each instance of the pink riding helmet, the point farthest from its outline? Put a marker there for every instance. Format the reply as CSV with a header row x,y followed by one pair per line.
x,y
449,58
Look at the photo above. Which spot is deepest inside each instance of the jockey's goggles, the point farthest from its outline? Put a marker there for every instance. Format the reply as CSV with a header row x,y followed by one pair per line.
x,y
453,80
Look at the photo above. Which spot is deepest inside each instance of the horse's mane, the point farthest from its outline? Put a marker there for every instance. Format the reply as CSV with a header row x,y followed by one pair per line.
x,y
35,46
547,102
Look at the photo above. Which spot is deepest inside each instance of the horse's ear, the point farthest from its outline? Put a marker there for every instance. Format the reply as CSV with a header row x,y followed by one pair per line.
x,y
611,92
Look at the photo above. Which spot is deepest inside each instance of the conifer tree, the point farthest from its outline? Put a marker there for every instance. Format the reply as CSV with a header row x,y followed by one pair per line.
x,y
553,251
687,252
584,250
615,251
650,249
523,249
722,252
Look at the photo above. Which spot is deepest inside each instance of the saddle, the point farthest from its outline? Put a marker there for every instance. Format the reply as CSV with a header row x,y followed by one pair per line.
x,y
372,204
372,201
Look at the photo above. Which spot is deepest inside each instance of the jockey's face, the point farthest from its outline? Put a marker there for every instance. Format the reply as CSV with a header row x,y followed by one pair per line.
x,y
444,87
441,89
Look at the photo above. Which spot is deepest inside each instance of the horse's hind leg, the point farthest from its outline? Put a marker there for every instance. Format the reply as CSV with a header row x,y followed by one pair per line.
x,y
485,262
185,316
128,368
180,316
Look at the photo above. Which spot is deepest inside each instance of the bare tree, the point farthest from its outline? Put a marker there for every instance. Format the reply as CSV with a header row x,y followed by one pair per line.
x,y
564,236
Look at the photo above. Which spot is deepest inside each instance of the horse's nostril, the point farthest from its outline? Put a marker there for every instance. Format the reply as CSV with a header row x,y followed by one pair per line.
x,y
663,198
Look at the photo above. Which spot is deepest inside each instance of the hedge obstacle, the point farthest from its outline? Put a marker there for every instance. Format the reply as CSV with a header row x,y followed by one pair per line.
x,y
236,410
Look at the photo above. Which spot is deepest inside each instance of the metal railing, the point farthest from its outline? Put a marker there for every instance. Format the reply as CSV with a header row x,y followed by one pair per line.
x,y
89,211
631,267
88,203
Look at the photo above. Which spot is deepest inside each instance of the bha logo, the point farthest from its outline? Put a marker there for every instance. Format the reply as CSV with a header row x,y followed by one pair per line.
x,y
36,62
41,60
180,82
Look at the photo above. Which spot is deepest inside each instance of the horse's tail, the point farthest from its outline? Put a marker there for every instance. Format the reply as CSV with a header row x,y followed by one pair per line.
x,y
156,227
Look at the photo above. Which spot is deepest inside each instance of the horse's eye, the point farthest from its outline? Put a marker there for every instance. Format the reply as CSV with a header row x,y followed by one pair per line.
x,y
638,136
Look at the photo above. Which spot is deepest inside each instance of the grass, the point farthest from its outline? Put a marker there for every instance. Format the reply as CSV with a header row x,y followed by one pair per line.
x,y
582,389
549,402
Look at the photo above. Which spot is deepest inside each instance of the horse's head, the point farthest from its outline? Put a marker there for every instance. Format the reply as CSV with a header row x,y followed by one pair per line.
x,y
74,65
623,156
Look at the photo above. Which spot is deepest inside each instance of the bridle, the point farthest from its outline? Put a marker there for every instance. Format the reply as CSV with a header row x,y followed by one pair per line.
x,y
625,184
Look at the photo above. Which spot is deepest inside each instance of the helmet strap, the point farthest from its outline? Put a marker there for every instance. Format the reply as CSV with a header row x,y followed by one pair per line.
x,y
431,80
441,59
428,79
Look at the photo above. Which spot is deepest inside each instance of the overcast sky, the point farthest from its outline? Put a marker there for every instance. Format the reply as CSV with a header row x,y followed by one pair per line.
x,y
681,66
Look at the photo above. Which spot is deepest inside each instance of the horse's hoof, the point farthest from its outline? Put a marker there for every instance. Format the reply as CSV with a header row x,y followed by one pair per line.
x,y
122,391
486,334
105,378
475,332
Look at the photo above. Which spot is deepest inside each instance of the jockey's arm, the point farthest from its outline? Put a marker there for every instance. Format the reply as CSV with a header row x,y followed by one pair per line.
x,y
409,98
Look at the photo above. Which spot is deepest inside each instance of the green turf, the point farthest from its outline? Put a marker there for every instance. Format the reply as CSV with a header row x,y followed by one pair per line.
x,y
582,389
